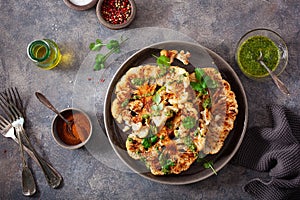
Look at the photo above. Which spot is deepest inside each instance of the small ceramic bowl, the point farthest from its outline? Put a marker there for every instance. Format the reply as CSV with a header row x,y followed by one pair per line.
x,y
81,4
270,44
105,11
81,129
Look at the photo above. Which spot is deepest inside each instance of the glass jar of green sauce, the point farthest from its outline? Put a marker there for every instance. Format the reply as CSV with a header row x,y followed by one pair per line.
x,y
272,47
44,53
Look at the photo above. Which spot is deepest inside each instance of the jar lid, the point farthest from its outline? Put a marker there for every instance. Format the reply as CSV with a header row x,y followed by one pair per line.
x,y
80,4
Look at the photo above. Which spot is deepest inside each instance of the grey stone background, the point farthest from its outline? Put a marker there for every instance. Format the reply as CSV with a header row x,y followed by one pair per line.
x,y
217,25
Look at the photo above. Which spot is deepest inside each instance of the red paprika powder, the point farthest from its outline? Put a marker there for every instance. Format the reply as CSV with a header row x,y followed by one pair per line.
x,y
80,128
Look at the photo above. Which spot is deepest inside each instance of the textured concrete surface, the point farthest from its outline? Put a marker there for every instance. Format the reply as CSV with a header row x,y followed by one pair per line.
x,y
215,24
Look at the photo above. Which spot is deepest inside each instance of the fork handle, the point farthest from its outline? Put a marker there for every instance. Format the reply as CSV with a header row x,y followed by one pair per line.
x,y
52,176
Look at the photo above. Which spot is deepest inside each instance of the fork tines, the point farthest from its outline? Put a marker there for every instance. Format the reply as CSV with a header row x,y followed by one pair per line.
x,y
4,124
11,103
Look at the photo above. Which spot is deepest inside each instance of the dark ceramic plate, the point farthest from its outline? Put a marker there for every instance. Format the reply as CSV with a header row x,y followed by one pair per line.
x,y
202,57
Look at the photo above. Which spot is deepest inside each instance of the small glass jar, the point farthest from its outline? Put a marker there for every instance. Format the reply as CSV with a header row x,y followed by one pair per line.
x,y
44,53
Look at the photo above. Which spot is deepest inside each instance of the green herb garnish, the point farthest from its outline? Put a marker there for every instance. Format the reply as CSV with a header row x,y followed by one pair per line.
x,y
203,82
138,81
189,122
166,167
146,142
162,61
156,98
145,116
209,165
189,143
153,139
157,107
113,46
165,162
206,103
149,141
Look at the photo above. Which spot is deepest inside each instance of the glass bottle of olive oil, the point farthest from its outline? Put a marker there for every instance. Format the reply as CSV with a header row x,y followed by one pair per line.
x,y
44,53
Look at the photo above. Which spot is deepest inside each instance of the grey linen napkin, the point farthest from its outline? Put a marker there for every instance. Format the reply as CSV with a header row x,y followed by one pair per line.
x,y
274,150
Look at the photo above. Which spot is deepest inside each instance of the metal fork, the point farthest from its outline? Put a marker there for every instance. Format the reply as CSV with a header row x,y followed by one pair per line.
x,y
28,182
7,130
10,101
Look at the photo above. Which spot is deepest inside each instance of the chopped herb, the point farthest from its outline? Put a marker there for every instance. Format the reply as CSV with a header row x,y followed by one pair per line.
x,y
156,98
144,160
148,94
149,141
165,162
169,113
189,143
166,167
135,97
145,116
146,142
113,46
125,103
197,132
154,139
206,103
157,108
161,89
189,122
138,81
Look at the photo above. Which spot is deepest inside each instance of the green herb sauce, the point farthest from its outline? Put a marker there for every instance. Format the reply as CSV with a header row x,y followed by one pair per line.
x,y
249,52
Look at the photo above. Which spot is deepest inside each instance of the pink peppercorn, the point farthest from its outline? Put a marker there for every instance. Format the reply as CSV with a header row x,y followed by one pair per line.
x,y
116,11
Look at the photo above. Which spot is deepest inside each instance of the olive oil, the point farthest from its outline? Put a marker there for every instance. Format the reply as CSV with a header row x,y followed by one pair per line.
x,y
44,53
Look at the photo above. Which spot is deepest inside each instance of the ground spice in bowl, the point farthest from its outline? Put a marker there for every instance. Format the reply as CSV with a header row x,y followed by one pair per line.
x,y
116,14
81,129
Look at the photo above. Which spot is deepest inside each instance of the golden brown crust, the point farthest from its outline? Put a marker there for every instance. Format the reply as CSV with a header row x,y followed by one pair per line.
x,y
157,134
224,110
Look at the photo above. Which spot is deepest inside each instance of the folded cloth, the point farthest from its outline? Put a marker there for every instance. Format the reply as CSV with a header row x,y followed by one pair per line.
x,y
277,151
